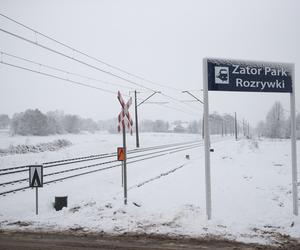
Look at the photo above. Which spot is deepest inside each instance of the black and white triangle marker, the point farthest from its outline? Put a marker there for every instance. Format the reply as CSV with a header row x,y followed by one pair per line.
x,y
36,176
35,179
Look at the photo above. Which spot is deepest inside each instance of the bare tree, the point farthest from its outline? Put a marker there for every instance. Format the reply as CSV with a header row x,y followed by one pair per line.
x,y
275,121
30,122
4,121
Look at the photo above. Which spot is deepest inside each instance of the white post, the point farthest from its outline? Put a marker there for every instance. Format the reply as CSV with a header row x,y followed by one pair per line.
x,y
206,142
294,145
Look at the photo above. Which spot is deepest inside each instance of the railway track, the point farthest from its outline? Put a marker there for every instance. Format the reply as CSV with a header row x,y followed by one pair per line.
x,y
12,170
75,167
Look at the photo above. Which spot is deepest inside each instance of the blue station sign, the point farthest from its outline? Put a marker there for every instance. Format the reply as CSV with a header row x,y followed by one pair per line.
x,y
248,76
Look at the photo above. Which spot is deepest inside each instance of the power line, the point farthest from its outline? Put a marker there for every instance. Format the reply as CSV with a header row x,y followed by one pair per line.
x,y
58,77
61,70
188,101
178,101
77,60
195,97
163,104
74,59
85,54
82,84
174,100
180,110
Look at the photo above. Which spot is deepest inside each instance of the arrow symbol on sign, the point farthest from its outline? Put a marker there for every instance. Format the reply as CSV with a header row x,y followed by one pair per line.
x,y
36,182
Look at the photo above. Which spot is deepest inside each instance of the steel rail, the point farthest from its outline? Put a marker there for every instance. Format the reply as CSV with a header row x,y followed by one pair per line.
x,y
87,158
102,169
83,167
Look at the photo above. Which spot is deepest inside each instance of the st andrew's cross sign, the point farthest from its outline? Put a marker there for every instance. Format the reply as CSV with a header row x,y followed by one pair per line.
x,y
248,76
124,118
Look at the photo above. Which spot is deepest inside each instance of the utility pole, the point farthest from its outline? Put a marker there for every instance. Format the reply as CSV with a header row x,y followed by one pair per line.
x,y
222,127
248,129
136,115
136,122
188,92
235,126
203,126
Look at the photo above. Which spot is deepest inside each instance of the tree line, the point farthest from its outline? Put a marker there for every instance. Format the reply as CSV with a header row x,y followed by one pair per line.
x,y
35,122
277,123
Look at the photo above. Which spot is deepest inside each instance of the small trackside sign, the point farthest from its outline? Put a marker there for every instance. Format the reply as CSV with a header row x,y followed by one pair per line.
x,y
120,154
36,176
249,76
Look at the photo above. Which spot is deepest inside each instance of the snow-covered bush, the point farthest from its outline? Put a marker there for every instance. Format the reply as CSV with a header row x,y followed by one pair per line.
x,y
41,147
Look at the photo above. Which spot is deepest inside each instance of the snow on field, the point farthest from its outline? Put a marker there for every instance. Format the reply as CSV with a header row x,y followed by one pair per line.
x,y
251,191
83,144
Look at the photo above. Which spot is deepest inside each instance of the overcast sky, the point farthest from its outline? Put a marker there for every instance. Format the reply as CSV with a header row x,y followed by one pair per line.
x,y
162,41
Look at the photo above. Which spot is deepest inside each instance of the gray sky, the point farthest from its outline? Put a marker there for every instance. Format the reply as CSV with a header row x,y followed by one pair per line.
x,y
163,41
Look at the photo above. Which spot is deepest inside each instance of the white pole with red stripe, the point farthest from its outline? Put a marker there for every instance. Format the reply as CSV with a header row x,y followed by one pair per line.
x,y
124,120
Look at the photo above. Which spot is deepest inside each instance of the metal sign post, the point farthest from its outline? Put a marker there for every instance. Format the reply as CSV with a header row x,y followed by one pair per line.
x,y
136,121
122,173
124,166
124,119
294,146
248,76
36,201
206,142
36,180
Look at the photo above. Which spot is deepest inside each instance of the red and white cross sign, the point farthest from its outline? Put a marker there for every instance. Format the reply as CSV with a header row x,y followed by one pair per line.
x,y
124,118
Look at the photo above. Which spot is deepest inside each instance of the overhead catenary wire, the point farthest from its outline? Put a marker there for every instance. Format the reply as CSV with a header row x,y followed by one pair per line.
x,y
61,70
164,104
180,110
79,83
173,100
189,101
77,60
85,54
86,64
82,53
179,102
74,59
195,97
58,77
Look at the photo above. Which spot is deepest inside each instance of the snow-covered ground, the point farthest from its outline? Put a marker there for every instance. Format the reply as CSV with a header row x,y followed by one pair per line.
x,y
83,144
251,190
